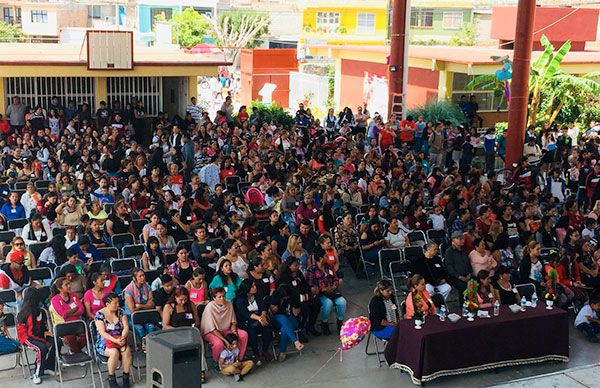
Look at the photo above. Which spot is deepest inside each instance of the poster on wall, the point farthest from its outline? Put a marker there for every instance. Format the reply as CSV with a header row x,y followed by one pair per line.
x,y
375,93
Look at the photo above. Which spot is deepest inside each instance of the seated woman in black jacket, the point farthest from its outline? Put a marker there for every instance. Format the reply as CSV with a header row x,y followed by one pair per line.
x,y
310,305
383,311
251,313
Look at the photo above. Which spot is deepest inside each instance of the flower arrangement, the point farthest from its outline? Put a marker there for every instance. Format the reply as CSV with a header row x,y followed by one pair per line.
x,y
470,294
551,280
416,299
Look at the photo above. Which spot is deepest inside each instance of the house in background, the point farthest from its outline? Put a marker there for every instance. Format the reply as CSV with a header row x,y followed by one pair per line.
x,y
44,19
439,20
148,10
345,21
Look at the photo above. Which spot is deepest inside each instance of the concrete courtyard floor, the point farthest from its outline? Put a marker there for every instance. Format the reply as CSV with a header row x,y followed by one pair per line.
x,y
319,365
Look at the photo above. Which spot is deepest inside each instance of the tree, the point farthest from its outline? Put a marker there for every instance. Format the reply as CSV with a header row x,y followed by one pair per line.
x,y
552,92
466,36
190,27
10,31
236,30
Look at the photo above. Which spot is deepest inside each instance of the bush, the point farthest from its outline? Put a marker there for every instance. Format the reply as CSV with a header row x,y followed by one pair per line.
x,y
268,113
439,111
501,126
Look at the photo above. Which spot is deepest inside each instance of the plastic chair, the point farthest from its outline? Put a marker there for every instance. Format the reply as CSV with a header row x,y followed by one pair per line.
x,y
37,248
18,223
124,281
437,235
10,322
138,226
122,238
400,270
417,237
7,236
95,266
170,258
108,253
41,184
40,273
141,318
375,338
359,217
8,296
67,359
6,249
133,251
121,265
22,185
412,253
386,256
232,183
59,232
44,292
187,244
151,276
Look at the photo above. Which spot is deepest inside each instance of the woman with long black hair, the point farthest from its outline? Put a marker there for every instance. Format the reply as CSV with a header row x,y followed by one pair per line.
x,y
33,331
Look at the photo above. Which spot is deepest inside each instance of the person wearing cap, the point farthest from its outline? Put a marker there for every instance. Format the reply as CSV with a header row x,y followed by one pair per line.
x,y
14,275
458,265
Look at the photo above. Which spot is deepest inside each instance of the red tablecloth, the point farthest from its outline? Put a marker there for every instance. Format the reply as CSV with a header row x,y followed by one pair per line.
x,y
446,348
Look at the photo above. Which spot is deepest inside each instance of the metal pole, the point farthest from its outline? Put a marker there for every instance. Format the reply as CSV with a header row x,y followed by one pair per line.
x,y
398,38
519,89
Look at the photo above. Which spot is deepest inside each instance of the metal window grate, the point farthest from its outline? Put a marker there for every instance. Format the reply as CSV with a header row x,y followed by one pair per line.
x,y
40,90
146,89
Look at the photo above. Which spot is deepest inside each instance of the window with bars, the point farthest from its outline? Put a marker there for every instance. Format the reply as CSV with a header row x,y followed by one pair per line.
x,y
452,20
365,23
328,21
421,17
147,89
39,16
40,90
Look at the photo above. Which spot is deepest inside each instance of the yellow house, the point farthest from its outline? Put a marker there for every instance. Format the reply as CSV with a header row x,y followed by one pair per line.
x,y
345,21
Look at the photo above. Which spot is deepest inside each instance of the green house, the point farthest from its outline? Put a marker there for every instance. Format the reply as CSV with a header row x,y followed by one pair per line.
x,y
438,20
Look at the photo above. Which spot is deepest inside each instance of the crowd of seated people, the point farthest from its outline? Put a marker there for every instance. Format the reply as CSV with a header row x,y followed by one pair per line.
x,y
244,225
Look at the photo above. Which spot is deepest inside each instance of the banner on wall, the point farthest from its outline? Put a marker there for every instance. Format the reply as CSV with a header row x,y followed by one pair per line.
x,y
375,93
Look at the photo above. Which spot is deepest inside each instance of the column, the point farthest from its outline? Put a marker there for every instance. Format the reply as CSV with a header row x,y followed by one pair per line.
x,y
445,85
337,84
192,88
101,91
2,96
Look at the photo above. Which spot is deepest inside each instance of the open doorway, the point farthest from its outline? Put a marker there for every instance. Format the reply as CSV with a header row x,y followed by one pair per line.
x,y
175,95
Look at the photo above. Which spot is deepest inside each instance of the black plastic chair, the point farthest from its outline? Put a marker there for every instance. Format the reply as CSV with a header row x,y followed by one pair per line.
x,y
151,275
22,185
417,237
138,226
143,317
7,236
122,265
232,183
170,258
18,223
124,281
400,272
412,253
438,236
109,253
122,239
37,248
133,251
40,273
526,290
64,329
8,296
10,323
187,244
41,184
386,256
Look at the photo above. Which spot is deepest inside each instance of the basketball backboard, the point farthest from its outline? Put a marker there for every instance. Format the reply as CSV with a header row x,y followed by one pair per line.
x,y
109,50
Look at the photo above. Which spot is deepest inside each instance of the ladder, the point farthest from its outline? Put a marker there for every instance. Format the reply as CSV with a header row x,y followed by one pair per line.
x,y
397,105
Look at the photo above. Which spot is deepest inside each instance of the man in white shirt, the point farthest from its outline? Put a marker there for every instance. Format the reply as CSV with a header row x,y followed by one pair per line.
x,y
573,132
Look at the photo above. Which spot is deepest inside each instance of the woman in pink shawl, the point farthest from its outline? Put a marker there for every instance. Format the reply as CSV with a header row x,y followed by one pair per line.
x,y
218,320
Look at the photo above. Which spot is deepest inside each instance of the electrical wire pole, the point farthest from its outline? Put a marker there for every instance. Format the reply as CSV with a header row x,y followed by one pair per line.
x,y
398,64
519,88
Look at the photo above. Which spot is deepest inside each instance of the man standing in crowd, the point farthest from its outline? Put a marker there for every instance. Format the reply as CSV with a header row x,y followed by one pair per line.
x,y
16,113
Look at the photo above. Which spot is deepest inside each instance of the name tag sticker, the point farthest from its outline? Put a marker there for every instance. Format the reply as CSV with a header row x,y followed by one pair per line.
x,y
110,326
194,295
126,222
96,302
73,305
189,218
294,283
13,210
106,283
189,316
265,280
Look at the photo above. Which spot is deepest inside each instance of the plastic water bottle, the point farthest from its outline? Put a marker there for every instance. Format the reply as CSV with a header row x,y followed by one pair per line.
x,y
465,311
443,313
523,303
496,308
534,300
